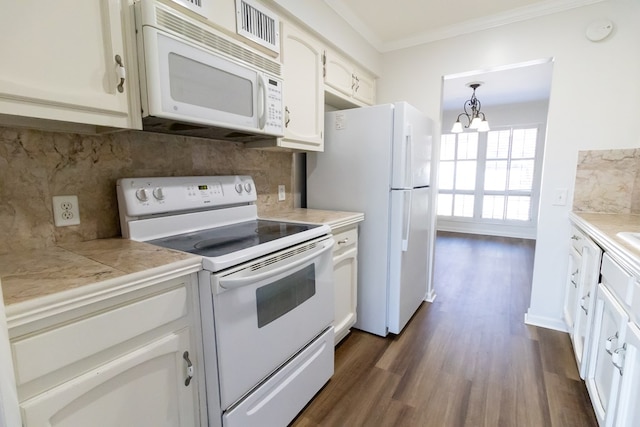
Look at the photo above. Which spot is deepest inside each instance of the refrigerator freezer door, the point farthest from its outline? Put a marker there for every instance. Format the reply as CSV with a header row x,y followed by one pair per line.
x,y
408,254
412,143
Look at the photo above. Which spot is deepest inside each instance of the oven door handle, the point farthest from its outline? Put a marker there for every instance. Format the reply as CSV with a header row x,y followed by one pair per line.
x,y
231,282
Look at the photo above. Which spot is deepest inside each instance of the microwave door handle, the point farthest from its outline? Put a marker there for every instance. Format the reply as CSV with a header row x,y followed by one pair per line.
x,y
262,101
231,283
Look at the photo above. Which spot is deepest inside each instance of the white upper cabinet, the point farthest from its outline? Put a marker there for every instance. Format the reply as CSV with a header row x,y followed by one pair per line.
x,y
303,90
66,61
346,85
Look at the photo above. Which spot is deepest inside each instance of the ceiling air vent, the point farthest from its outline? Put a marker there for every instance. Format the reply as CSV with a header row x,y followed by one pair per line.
x,y
258,24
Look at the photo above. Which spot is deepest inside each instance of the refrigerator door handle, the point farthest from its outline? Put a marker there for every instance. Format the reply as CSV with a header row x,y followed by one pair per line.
x,y
408,160
406,220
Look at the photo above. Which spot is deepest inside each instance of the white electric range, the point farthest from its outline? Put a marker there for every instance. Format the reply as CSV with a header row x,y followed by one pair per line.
x,y
266,292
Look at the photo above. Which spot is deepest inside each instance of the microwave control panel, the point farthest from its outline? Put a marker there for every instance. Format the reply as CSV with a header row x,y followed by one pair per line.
x,y
274,106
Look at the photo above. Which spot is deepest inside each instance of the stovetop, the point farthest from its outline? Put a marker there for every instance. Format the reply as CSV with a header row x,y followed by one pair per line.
x,y
215,217
227,239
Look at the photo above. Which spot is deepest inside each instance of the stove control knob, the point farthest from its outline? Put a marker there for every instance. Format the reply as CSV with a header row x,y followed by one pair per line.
x,y
239,188
141,194
158,193
247,187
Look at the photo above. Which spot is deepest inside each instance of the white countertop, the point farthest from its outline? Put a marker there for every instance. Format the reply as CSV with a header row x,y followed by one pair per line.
x,y
603,229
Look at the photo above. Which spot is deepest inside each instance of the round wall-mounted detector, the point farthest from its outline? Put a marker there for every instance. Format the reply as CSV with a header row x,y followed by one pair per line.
x,y
599,30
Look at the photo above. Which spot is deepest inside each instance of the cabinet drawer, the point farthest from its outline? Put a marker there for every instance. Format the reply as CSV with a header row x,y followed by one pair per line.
x,y
617,280
43,353
345,239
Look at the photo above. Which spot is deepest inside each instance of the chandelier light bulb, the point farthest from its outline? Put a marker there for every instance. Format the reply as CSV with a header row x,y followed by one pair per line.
x,y
457,127
475,123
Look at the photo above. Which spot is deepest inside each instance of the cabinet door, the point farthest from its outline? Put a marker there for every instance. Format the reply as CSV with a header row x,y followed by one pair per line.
x,y
338,74
143,388
627,413
364,87
303,90
571,291
603,377
60,61
587,286
345,277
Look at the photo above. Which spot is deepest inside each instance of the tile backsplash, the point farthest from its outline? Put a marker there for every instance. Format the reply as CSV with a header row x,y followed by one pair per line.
x,y
37,165
608,181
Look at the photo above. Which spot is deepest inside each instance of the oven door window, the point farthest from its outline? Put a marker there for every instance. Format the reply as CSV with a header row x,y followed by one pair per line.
x,y
278,298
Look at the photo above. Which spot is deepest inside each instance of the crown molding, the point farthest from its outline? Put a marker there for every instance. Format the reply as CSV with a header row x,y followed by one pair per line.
x,y
543,8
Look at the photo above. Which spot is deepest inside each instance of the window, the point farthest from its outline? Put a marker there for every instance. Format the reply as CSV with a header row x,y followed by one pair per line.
x,y
489,177
457,174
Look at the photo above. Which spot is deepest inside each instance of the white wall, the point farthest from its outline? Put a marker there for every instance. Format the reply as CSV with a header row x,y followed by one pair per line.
x,y
595,89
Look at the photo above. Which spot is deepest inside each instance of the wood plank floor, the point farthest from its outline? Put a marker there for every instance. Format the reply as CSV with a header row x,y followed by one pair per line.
x,y
467,359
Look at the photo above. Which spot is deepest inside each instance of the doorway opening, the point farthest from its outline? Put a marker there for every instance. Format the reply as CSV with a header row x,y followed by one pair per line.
x,y
489,181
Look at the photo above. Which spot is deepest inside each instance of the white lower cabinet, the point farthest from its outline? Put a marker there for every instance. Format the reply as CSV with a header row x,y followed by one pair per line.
x,y
571,291
603,377
130,359
345,277
582,281
143,388
627,359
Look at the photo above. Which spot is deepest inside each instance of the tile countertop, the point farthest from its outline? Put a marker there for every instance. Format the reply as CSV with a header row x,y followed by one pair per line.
x,y
49,274
603,229
334,219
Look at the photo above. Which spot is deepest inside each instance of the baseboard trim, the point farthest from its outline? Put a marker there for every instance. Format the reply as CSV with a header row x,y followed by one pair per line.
x,y
545,322
430,297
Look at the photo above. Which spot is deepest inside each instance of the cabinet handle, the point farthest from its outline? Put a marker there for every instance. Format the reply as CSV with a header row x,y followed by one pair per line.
x,y
574,237
575,284
617,358
185,356
343,241
121,73
355,83
608,345
582,301
287,119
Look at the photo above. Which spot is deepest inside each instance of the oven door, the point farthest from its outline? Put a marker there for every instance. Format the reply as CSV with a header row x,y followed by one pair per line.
x,y
268,310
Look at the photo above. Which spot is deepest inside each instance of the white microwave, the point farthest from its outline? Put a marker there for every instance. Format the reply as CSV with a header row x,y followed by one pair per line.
x,y
198,82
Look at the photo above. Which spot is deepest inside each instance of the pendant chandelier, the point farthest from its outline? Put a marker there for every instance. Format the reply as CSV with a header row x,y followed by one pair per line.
x,y
475,118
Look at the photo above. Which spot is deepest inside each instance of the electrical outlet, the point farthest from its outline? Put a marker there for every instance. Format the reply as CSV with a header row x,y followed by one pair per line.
x,y
66,211
281,193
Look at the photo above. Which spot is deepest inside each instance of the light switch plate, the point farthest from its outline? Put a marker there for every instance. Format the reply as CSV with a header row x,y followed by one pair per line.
x,y
281,193
560,197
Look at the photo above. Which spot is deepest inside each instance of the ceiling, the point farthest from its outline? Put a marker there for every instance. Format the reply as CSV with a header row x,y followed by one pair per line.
x,y
391,25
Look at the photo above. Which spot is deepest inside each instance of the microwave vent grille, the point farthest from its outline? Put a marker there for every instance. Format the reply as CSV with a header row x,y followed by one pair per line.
x,y
258,24
219,44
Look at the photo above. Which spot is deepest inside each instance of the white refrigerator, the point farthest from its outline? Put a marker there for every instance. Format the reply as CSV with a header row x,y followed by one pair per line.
x,y
377,160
